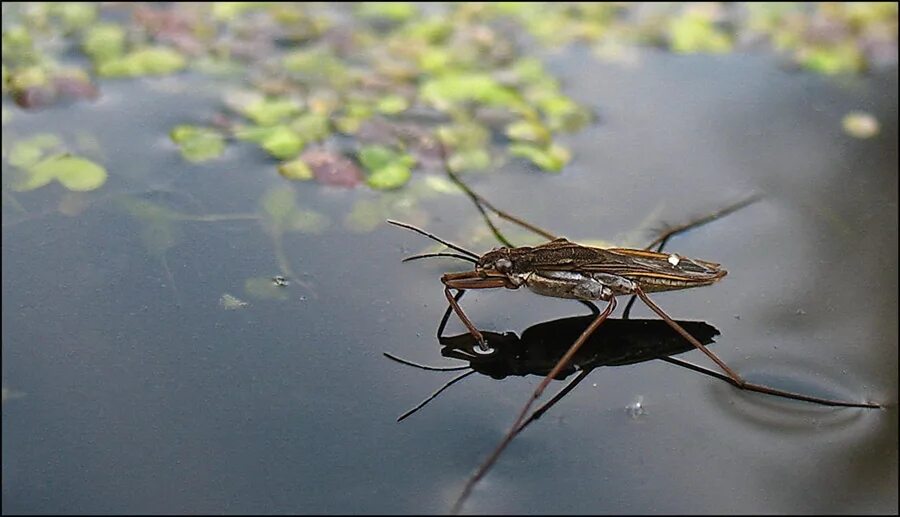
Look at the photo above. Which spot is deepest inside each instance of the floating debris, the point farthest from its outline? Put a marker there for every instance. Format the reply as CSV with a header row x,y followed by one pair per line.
x,y
860,124
331,168
636,409
231,302
267,288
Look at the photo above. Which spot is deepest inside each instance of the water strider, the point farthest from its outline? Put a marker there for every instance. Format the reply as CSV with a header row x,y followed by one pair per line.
x,y
560,268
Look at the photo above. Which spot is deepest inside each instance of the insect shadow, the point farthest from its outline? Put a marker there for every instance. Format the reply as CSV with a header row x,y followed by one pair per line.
x,y
619,342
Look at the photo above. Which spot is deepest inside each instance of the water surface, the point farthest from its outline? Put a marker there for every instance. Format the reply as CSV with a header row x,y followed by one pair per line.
x,y
137,392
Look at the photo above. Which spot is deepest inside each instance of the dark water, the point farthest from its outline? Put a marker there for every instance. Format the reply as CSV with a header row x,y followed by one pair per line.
x,y
132,394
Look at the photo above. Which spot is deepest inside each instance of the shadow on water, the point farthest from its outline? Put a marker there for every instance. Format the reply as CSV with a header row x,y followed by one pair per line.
x,y
618,342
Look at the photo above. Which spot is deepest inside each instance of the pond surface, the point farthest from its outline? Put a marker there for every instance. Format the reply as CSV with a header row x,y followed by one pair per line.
x,y
128,387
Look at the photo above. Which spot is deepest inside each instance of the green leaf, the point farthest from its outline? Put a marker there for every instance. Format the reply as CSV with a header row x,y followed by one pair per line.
x,y
103,42
27,179
75,173
74,15
229,11
450,89
218,65
26,153
257,134
280,141
395,11
562,113
431,30
311,127
148,61
388,169
552,158
354,114
391,176
28,77
198,144
18,46
392,104
296,169
836,59
268,111
374,157
317,66
283,143
528,131
691,33
434,59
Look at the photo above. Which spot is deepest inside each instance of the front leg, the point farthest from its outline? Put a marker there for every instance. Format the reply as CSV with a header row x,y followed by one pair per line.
x,y
482,344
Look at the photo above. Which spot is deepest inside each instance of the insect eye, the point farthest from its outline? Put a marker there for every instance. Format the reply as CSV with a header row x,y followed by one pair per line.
x,y
503,265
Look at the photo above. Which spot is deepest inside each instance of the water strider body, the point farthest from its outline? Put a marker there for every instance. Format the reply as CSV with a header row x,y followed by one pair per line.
x,y
564,269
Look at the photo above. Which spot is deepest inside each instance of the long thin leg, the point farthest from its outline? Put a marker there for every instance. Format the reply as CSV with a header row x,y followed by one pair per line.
x,y
465,320
431,397
443,324
569,387
539,412
482,203
756,388
684,364
430,368
562,363
700,221
735,379
663,238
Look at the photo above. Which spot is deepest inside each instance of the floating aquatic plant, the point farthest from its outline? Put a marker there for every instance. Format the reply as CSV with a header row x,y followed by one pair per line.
x,y
44,158
323,73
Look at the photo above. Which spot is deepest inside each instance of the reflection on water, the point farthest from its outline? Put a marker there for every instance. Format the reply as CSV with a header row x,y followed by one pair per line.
x,y
142,392
617,342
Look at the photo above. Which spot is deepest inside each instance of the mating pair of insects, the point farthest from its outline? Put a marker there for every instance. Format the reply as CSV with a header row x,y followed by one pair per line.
x,y
563,269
